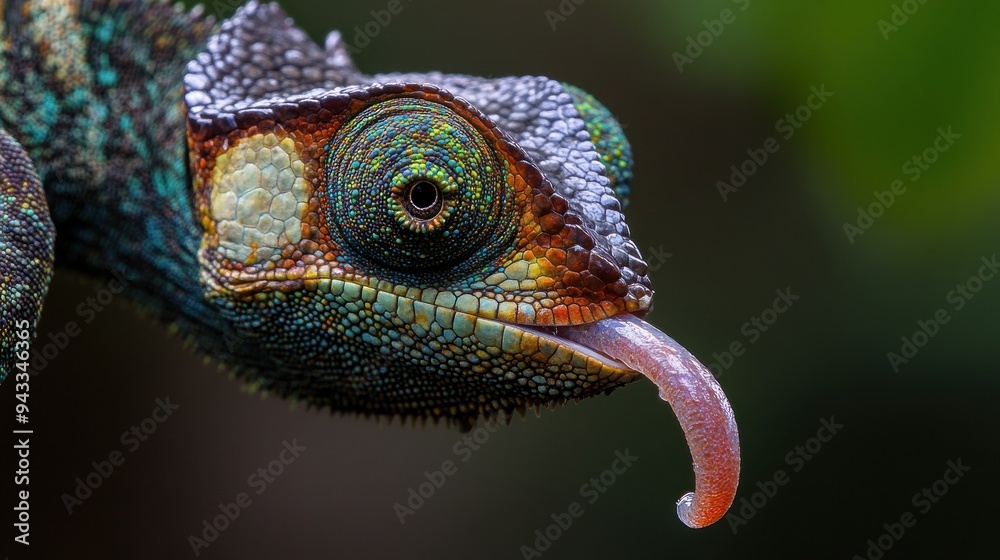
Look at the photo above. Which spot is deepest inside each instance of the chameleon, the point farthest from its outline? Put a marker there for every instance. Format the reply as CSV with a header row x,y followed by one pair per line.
x,y
420,245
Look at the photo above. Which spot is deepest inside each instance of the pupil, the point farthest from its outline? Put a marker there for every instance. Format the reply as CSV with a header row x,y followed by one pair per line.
x,y
423,195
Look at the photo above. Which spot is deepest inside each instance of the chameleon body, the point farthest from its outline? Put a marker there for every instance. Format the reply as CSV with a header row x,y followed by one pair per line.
x,y
423,245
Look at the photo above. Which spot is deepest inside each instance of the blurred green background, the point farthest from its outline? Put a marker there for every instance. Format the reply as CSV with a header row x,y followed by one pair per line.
x,y
892,89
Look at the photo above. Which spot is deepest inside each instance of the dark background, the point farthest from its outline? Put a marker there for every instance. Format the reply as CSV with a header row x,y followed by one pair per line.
x,y
826,356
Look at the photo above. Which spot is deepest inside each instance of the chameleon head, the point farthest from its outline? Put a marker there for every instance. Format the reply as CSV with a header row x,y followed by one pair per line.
x,y
427,245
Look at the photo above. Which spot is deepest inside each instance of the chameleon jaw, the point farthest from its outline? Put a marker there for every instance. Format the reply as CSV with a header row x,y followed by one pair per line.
x,y
488,366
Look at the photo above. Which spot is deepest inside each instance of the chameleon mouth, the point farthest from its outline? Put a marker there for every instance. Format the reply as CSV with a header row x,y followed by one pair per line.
x,y
600,355
627,342
558,336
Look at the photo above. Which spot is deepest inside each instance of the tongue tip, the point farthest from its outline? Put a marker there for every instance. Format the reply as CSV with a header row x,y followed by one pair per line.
x,y
684,511
695,517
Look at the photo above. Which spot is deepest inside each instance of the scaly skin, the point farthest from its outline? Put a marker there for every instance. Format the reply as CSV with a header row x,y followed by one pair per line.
x,y
402,244
91,91
26,246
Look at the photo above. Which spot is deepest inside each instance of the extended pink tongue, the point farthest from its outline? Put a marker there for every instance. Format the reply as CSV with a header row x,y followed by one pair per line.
x,y
696,398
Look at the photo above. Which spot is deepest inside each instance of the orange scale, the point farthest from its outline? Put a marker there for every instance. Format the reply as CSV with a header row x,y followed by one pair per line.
x,y
597,312
551,223
546,267
610,308
571,278
556,256
575,317
545,282
560,315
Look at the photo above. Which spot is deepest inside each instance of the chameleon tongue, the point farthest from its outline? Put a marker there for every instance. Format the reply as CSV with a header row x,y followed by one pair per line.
x,y
694,395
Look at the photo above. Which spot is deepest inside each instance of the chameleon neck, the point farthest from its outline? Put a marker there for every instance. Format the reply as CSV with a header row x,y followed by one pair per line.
x,y
97,104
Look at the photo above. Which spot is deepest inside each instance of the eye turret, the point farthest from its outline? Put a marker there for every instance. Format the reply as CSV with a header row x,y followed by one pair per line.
x,y
413,186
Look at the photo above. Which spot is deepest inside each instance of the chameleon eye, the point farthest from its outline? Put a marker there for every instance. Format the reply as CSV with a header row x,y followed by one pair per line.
x,y
422,200
413,186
